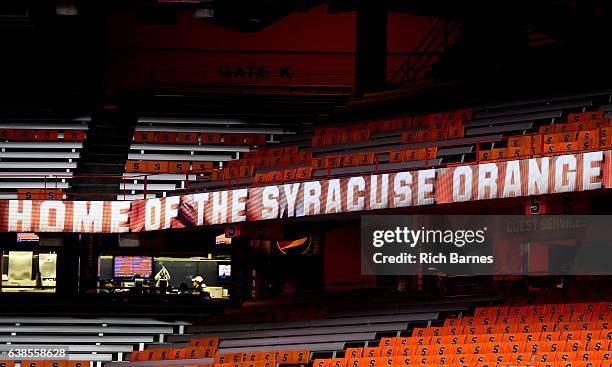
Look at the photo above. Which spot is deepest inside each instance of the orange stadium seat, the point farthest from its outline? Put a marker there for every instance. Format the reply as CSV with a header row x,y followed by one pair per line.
x,y
157,167
144,137
74,135
178,167
201,167
233,139
211,138
40,194
165,137
46,135
187,138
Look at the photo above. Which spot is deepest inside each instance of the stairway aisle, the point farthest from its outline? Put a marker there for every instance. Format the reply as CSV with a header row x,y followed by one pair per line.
x,y
105,153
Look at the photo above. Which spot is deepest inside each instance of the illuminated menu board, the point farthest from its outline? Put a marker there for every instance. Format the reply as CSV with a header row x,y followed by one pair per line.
x,y
129,266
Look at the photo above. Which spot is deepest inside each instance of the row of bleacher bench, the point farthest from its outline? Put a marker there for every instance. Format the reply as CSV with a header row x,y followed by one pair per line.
x,y
457,341
403,143
498,336
38,158
87,338
188,155
251,343
177,151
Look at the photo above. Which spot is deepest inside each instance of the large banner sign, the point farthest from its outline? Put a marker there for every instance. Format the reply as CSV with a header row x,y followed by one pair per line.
x,y
537,176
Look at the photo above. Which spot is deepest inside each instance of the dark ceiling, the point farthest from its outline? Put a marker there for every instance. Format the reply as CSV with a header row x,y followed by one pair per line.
x,y
53,62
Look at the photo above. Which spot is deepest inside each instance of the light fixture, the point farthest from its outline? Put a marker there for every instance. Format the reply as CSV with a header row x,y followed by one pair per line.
x,y
204,13
66,8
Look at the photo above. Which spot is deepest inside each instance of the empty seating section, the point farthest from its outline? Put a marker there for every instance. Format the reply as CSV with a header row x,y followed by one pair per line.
x,y
292,342
38,162
336,151
198,349
185,156
582,132
173,153
47,363
509,131
95,340
542,335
